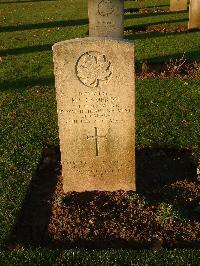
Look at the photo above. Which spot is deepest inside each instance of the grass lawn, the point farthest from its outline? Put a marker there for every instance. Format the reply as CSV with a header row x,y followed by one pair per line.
x,y
167,110
102,257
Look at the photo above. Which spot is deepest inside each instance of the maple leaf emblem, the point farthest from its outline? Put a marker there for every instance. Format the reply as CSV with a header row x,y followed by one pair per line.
x,y
105,7
93,67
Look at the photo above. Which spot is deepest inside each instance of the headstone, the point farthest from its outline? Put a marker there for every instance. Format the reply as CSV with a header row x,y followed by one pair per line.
x,y
178,5
96,105
106,18
194,14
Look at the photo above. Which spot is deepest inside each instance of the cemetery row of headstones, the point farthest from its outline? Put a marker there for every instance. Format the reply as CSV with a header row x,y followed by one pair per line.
x,y
95,92
106,17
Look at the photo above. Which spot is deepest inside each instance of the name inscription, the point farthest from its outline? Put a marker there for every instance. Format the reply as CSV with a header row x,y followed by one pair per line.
x,y
90,107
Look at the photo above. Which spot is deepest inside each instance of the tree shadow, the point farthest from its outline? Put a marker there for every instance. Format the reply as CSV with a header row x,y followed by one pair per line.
x,y
53,24
25,83
31,227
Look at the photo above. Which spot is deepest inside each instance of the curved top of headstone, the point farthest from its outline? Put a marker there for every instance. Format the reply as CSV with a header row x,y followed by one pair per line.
x,y
93,39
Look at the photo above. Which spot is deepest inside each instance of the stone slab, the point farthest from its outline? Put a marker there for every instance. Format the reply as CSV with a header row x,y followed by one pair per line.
x,y
194,14
96,113
106,18
178,5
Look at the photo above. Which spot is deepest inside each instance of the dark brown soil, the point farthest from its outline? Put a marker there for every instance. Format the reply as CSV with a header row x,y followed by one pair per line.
x,y
163,213
147,10
180,68
155,28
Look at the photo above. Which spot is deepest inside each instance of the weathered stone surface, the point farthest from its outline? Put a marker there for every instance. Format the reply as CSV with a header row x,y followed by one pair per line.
x,y
178,5
106,18
96,105
194,14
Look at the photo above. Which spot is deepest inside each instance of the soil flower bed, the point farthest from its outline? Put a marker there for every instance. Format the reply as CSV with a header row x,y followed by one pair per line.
x,y
164,213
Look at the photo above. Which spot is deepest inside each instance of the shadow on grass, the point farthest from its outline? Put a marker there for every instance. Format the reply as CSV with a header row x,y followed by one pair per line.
x,y
157,5
53,24
154,169
28,1
141,36
142,27
26,50
32,224
190,56
26,83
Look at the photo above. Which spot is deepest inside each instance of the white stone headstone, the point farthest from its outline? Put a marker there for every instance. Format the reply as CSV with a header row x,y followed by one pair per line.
x,y
178,5
96,113
194,14
106,18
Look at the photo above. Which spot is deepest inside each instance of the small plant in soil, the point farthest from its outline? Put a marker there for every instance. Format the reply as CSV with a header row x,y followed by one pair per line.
x,y
176,66
134,197
167,214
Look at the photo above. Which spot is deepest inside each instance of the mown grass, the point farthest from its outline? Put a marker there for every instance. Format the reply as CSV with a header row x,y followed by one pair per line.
x,y
167,113
167,110
102,257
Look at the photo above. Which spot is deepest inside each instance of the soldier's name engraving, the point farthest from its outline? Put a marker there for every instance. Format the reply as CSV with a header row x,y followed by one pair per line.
x,y
90,106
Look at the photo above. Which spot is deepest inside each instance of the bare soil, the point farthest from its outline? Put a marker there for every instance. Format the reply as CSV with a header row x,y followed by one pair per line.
x,y
180,68
146,10
155,28
163,213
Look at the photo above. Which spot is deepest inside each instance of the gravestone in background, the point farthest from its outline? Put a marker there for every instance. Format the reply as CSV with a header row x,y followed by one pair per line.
x,y
106,18
96,107
194,14
178,5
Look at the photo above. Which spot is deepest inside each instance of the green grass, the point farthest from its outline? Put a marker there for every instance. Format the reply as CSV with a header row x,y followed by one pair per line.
x,y
28,124
167,114
102,257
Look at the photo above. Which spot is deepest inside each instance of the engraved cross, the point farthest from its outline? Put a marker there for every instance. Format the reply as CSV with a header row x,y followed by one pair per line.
x,y
96,140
